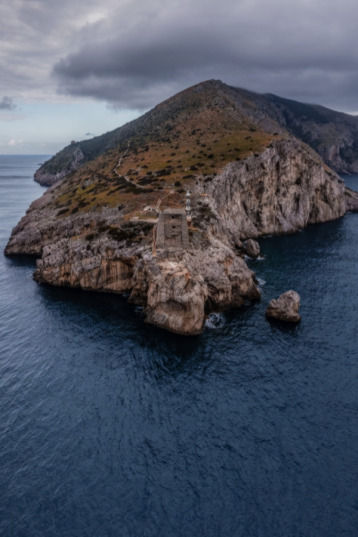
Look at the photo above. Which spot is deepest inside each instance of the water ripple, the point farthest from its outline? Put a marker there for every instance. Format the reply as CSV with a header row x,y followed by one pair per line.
x,y
111,427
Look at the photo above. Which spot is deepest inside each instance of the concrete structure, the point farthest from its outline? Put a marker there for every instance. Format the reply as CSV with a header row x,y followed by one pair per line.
x,y
172,230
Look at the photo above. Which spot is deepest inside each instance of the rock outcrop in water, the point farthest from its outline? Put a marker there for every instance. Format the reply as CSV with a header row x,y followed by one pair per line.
x,y
98,229
285,308
252,248
176,286
281,190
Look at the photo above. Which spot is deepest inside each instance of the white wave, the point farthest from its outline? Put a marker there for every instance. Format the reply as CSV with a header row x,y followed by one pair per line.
x,y
259,258
215,320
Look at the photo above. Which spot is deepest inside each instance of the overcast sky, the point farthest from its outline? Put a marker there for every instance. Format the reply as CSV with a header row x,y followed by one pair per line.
x,y
71,69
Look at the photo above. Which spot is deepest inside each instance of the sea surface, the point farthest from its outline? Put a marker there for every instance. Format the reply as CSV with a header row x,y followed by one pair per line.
x,y
110,427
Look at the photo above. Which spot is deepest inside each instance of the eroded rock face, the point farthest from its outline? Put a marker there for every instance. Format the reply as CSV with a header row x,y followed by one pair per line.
x,y
252,248
175,298
42,226
177,288
279,191
285,308
282,190
101,267
351,198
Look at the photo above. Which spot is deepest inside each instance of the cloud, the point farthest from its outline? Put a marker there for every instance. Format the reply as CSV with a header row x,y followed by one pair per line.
x,y
7,103
33,36
134,54
142,54
11,143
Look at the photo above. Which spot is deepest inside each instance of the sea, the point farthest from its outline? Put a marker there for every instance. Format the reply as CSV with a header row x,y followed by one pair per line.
x,y
110,427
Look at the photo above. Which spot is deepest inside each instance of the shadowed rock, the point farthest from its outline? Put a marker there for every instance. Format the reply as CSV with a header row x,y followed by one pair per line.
x,y
252,248
351,198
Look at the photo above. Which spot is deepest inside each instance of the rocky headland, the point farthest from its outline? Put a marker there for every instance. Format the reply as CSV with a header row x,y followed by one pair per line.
x,y
70,160
118,223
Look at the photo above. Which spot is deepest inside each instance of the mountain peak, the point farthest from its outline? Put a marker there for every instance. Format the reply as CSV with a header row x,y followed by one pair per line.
x,y
219,114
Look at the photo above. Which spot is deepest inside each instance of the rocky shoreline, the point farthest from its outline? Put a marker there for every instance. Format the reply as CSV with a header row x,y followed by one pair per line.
x,y
281,190
45,178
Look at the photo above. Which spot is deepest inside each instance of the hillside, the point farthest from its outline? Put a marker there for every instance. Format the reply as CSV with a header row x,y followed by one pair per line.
x,y
333,135
208,112
221,109
183,141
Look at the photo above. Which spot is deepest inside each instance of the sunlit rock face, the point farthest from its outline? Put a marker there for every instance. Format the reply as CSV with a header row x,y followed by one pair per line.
x,y
282,190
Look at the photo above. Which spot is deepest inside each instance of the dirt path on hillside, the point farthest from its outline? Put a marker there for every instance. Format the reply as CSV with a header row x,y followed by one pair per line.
x,y
125,177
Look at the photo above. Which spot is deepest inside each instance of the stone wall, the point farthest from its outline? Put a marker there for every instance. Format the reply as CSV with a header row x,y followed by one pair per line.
x,y
172,230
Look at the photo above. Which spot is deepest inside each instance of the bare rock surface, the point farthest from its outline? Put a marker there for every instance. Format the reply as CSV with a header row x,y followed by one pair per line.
x,y
280,190
351,198
285,308
176,288
252,248
175,298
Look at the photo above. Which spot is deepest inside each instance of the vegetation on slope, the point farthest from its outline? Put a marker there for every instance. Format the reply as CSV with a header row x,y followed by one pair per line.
x,y
332,134
186,139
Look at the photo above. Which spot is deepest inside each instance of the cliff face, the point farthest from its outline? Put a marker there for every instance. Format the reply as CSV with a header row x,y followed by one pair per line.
x,y
172,286
177,287
280,190
98,227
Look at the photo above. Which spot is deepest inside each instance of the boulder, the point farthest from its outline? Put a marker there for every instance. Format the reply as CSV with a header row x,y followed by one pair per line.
x,y
285,308
252,248
175,299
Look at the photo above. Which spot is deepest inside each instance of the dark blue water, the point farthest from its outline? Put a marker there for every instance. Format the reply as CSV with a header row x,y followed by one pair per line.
x,y
109,427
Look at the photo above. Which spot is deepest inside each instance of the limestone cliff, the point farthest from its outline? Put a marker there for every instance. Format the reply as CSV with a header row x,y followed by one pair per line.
x,y
181,275
176,287
282,190
117,224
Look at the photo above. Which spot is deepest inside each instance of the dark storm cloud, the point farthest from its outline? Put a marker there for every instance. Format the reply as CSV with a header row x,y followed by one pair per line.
x,y
140,55
33,35
7,103
134,54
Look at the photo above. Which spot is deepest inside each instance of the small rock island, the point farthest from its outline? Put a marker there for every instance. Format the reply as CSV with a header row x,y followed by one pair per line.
x,y
122,222
285,308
